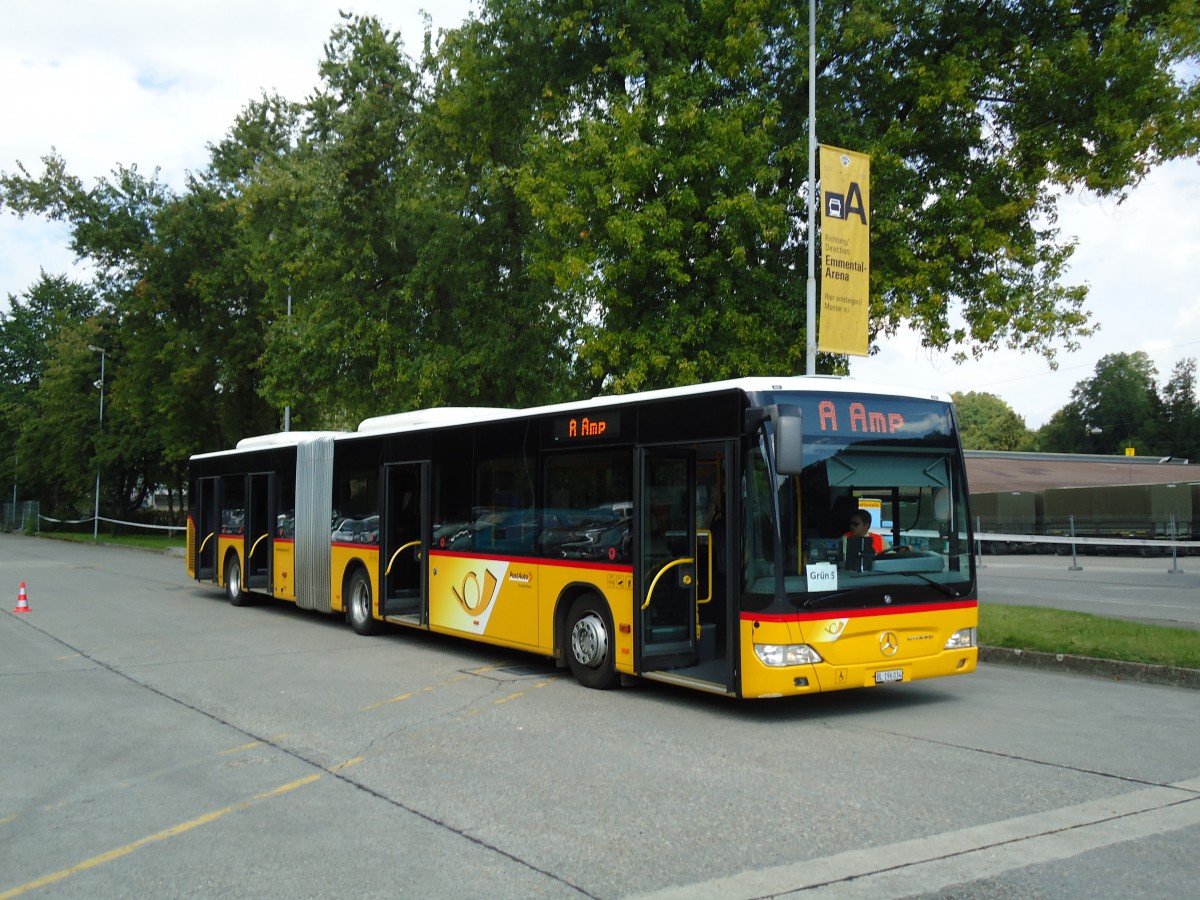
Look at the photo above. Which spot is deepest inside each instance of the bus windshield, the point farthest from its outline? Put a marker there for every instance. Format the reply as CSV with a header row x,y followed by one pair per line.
x,y
890,466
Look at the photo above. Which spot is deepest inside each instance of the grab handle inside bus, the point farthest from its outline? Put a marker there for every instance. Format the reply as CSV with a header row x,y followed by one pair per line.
x,y
672,564
401,549
255,546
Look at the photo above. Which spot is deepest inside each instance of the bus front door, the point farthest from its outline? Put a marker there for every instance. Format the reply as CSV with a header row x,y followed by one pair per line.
x,y
665,560
404,543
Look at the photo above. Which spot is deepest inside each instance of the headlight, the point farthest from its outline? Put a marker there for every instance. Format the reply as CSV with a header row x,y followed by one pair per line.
x,y
964,637
786,654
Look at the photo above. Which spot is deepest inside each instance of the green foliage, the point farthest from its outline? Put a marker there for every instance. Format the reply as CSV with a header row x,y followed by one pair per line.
x,y
60,439
666,187
1121,407
988,423
1176,429
29,329
33,320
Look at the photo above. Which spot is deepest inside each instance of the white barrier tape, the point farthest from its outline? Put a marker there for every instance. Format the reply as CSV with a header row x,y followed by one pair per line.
x,y
113,521
1161,543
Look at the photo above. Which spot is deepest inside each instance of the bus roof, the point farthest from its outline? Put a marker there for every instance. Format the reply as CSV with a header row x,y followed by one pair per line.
x,y
267,441
438,415
430,418
421,419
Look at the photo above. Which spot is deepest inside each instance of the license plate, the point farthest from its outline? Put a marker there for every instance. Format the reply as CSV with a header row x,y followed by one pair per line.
x,y
889,676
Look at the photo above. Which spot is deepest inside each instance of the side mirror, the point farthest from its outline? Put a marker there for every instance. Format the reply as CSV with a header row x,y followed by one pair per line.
x,y
789,435
789,441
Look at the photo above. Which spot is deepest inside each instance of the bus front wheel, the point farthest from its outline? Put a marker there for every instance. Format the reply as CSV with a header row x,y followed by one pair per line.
x,y
590,647
358,604
234,589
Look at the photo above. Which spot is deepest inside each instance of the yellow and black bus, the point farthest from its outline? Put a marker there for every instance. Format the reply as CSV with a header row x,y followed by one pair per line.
x,y
693,535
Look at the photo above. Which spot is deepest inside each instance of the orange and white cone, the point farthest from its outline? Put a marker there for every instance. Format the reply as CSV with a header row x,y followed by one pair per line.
x,y
22,600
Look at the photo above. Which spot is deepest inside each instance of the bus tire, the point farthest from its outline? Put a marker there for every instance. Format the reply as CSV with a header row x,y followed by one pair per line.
x,y
590,646
359,604
235,589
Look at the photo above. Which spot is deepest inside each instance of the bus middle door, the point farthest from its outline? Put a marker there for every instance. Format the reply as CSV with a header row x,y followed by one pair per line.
x,y
258,531
404,543
665,559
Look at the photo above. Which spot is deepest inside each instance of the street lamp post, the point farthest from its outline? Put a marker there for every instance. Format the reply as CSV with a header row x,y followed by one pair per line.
x,y
287,410
99,384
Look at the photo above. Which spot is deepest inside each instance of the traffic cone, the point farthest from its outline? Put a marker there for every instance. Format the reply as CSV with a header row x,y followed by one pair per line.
x,y
22,600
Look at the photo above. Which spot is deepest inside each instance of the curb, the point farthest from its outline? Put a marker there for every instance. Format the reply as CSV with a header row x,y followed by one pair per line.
x,y
1115,669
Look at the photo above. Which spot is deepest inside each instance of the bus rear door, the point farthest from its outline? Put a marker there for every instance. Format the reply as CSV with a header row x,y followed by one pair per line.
x,y
208,509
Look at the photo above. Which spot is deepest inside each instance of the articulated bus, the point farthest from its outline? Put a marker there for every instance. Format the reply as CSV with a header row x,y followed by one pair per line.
x,y
694,535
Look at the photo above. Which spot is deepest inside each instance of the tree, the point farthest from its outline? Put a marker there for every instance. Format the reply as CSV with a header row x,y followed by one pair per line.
x,y
1113,410
29,331
61,442
667,163
1178,431
988,423
32,322
180,325
1121,399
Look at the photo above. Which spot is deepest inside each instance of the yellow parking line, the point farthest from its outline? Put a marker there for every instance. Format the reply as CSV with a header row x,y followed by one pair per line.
x,y
253,744
249,746
171,832
383,703
425,690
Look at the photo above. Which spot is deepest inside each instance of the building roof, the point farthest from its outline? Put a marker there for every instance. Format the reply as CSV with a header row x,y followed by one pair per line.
x,y
993,470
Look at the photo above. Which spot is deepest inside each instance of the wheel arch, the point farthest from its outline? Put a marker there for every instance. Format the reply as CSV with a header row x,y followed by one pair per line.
x,y
235,552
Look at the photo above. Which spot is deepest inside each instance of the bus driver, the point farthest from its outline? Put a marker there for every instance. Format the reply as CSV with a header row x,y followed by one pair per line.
x,y
860,527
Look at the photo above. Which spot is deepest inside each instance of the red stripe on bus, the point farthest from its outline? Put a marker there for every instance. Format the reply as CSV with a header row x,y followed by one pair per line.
x,y
858,613
535,561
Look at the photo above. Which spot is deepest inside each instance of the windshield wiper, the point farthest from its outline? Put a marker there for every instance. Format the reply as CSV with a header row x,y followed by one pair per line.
x,y
945,589
824,599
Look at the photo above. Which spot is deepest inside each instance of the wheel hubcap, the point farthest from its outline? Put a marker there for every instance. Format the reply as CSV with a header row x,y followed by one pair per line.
x,y
589,641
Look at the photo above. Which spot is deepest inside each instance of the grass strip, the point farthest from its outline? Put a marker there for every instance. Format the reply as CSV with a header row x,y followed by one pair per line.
x,y
1084,634
144,541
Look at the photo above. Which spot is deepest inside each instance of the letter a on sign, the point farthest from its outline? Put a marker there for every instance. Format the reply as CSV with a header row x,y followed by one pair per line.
x,y
845,251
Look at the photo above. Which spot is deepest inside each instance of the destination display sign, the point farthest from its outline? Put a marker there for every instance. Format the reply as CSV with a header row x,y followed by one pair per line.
x,y
585,428
860,416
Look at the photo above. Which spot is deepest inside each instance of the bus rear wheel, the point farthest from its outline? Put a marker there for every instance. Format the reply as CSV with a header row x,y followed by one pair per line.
x,y
235,590
359,605
590,643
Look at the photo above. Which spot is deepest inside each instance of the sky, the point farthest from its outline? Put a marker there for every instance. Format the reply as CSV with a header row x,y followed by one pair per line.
x,y
152,84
